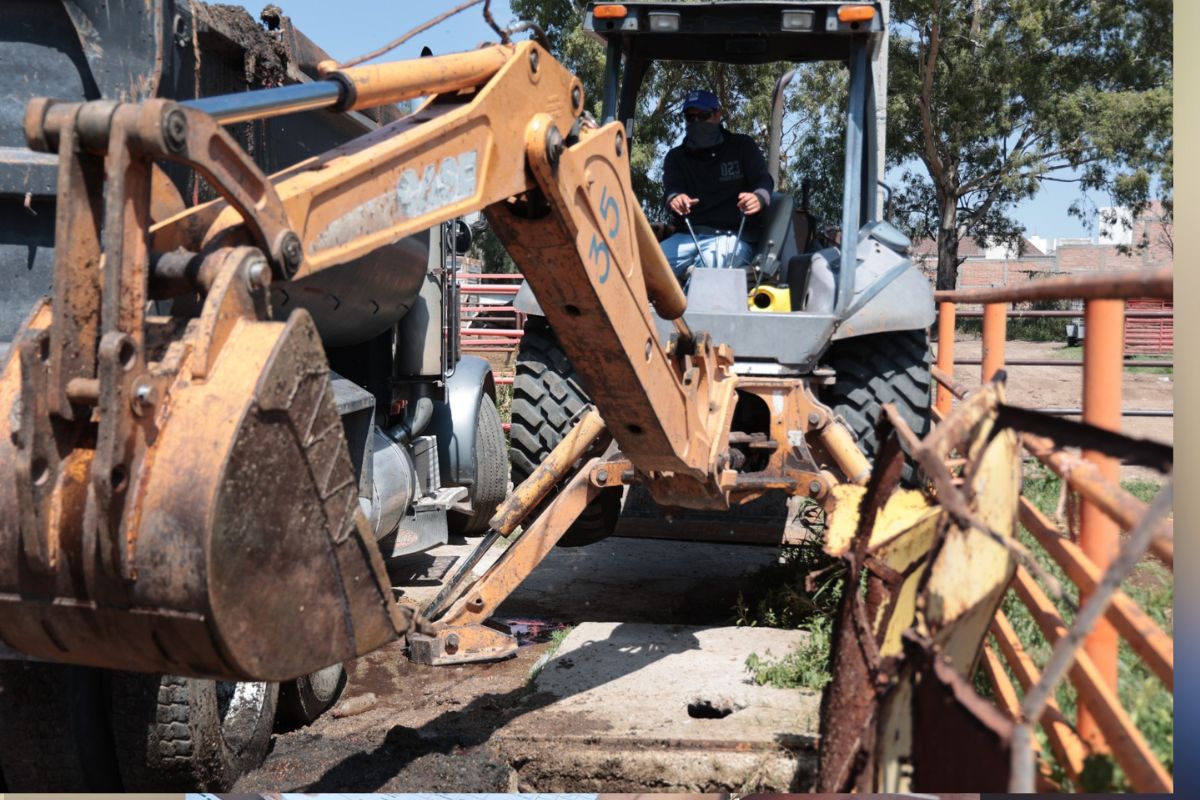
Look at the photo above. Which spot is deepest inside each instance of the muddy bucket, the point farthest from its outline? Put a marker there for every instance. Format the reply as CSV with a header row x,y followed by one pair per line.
x,y
233,546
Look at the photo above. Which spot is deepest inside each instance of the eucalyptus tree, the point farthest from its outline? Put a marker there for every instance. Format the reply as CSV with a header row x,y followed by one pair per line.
x,y
988,99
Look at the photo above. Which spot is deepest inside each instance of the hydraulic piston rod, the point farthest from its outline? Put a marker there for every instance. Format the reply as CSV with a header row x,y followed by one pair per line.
x,y
264,103
360,87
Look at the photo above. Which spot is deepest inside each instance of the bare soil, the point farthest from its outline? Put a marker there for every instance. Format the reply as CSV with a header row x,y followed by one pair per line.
x,y
425,729
1062,387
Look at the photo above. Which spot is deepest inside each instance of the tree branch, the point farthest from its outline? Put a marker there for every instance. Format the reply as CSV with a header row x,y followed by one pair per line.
x,y
936,167
981,210
995,175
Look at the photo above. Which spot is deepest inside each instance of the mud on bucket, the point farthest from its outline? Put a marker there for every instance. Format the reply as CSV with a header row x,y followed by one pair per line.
x,y
250,558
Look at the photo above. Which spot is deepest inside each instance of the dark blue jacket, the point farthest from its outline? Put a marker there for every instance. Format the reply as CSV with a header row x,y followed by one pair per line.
x,y
716,176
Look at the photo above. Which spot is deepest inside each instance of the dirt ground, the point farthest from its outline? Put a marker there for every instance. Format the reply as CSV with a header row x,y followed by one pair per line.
x,y
401,727
1062,387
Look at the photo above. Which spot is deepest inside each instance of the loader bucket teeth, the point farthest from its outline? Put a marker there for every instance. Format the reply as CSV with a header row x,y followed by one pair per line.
x,y
251,559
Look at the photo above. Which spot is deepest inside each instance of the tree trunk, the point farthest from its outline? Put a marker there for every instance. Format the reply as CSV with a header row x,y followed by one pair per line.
x,y
947,263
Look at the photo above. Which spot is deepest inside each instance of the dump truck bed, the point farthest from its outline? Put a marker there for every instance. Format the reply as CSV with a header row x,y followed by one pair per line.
x,y
89,49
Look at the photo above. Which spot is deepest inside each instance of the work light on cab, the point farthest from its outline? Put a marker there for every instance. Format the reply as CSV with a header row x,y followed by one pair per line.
x,y
794,20
664,21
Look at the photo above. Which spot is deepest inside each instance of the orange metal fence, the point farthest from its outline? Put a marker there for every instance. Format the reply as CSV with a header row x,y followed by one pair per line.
x,y
1101,726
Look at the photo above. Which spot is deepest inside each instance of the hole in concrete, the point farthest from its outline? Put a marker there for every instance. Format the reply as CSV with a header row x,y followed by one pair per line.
x,y
704,708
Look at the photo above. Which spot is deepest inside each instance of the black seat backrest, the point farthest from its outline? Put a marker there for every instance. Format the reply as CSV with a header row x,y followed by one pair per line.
x,y
798,272
774,232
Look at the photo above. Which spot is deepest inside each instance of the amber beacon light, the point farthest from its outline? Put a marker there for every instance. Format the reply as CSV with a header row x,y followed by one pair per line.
x,y
856,13
614,11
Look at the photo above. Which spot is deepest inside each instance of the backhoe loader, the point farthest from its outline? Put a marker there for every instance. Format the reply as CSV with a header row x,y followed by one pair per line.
x,y
186,491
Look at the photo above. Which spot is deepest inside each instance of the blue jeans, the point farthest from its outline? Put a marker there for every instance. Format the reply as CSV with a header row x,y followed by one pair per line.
x,y
716,250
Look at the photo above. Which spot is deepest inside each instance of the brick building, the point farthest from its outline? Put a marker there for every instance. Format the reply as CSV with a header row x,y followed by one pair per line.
x,y
1144,243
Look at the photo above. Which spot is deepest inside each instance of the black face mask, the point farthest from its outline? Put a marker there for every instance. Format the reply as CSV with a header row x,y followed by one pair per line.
x,y
702,135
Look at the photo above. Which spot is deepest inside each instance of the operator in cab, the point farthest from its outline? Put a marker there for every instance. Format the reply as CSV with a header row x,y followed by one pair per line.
x,y
715,183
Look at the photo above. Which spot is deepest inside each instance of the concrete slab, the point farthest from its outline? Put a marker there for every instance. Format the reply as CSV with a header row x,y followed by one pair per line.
x,y
630,706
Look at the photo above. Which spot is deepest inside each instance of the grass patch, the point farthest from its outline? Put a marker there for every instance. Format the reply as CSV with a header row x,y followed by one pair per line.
x,y
806,667
557,637
1075,353
1151,370
1026,329
1148,702
783,598
780,598
504,398
1145,491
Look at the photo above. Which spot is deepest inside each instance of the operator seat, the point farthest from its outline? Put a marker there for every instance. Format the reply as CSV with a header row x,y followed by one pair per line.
x,y
774,233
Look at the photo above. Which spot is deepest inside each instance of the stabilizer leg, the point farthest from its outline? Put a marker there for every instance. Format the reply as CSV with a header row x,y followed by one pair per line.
x,y
464,634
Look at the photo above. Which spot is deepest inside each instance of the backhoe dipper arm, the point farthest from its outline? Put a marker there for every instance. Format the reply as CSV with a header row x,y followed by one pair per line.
x,y
566,212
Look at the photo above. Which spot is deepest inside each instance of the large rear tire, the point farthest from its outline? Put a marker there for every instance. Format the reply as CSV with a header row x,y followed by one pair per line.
x,y
491,471
54,730
547,399
177,734
876,369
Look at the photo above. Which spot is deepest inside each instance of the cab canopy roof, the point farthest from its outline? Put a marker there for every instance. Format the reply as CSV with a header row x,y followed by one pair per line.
x,y
735,31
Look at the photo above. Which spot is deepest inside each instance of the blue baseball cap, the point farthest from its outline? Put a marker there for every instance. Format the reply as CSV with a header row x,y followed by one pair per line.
x,y
699,98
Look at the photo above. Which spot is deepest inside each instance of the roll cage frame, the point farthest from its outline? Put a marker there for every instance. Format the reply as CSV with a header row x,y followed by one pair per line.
x,y
750,32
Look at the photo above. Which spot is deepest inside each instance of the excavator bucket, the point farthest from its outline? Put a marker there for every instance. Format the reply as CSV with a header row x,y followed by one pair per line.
x,y
240,551
177,494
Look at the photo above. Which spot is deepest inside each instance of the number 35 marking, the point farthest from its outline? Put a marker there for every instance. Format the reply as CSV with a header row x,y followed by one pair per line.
x,y
598,249
608,207
609,212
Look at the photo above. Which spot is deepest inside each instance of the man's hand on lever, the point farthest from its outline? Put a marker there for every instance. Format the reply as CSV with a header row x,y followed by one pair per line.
x,y
682,204
748,203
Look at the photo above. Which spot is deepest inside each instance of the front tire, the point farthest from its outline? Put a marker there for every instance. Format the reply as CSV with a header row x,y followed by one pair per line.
x,y
547,399
176,734
876,369
305,699
491,472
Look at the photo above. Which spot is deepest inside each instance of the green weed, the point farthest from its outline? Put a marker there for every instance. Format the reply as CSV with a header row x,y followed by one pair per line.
x,y
806,667
1025,329
556,639
1076,354
800,591
780,597
504,398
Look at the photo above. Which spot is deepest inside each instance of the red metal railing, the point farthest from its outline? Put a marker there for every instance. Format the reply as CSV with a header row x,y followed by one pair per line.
x,y
1145,330
490,329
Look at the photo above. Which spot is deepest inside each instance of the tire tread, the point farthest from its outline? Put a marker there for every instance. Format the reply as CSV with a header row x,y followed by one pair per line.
x,y
547,396
877,369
